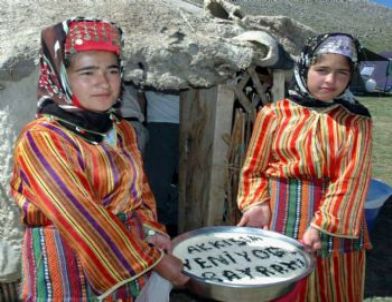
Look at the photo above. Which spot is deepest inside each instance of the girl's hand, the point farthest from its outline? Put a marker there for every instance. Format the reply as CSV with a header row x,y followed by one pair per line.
x,y
161,241
257,216
170,268
311,240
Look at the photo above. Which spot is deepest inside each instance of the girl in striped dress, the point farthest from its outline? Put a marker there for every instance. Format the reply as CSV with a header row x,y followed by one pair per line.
x,y
308,168
91,226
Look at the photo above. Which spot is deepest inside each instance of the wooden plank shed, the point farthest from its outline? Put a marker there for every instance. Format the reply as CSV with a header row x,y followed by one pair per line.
x,y
215,126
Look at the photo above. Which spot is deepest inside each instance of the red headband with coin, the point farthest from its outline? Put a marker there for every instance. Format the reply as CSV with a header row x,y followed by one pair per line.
x,y
92,35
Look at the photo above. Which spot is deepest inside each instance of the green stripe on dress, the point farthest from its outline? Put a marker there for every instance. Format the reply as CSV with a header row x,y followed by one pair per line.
x,y
39,265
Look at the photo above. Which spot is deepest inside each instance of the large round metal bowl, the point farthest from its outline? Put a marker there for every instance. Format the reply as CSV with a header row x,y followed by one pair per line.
x,y
241,263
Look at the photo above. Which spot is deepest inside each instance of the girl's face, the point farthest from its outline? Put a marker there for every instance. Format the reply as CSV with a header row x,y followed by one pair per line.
x,y
94,77
328,77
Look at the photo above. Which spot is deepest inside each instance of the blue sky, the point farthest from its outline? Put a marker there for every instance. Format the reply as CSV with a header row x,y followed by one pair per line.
x,y
387,3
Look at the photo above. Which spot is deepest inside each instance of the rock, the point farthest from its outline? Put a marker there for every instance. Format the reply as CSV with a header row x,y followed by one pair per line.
x,y
17,106
9,263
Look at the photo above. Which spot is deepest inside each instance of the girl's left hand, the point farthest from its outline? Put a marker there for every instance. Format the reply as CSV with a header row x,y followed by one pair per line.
x,y
257,216
161,241
311,240
170,268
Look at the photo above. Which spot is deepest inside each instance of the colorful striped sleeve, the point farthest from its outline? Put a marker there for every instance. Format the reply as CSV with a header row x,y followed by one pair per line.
x,y
341,211
253,186
55,181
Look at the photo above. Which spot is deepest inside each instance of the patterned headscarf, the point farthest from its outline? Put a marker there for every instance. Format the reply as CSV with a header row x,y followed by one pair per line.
x,y
62,40
338,43
55,96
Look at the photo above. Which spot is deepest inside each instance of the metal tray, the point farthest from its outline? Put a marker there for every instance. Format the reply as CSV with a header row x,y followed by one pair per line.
x,y
241,263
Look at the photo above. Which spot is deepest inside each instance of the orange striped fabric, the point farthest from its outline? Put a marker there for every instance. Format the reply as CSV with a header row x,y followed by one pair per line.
x,y
345,271
95,196
290,141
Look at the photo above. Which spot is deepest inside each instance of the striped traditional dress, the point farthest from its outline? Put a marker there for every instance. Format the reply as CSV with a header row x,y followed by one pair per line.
x,y
85,207
313,165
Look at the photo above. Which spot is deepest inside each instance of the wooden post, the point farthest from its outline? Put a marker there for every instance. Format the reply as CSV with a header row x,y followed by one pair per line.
x,y
197,108
220,147
206,116
278,88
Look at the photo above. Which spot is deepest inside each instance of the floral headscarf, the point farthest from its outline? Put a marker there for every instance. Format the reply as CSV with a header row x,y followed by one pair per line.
x,y
55,96
339,43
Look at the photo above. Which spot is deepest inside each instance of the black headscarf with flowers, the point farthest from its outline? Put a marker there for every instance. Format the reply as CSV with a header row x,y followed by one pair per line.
x,y
339,43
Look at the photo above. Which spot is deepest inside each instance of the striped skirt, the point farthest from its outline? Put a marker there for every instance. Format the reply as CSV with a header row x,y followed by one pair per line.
x,y
52,272
340,265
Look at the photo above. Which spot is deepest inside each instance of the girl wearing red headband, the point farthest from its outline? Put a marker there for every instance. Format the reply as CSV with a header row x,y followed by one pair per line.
x,y
90,217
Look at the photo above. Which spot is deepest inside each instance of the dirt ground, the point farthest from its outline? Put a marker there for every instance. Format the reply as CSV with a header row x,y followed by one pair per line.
x,y
378,283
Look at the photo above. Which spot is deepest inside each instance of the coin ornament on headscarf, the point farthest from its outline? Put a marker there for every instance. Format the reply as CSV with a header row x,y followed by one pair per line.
x,y
91,35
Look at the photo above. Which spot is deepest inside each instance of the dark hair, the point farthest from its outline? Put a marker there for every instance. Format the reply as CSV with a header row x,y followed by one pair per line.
x,y
67,62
